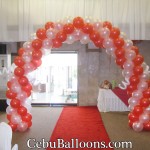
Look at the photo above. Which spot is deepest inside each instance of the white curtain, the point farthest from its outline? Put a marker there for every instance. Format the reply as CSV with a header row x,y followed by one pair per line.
x,y
20,18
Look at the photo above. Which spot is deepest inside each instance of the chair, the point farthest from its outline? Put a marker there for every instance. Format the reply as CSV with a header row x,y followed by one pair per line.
x,y
6,137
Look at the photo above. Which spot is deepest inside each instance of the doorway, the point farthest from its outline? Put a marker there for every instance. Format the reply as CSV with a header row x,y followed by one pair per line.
x,y
56,80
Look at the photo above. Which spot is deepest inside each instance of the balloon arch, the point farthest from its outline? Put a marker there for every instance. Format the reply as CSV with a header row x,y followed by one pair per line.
x,y
103,35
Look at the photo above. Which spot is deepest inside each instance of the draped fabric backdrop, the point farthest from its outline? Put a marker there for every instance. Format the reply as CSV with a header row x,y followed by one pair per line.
x,y
20,18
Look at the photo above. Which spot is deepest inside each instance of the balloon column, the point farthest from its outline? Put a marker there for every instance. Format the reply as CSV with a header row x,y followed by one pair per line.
x,y
103,35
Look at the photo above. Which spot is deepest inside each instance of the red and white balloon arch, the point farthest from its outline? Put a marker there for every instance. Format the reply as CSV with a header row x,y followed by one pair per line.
x,y
103,35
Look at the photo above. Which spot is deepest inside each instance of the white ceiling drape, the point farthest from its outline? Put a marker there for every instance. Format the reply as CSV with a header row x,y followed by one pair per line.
x,y
20,18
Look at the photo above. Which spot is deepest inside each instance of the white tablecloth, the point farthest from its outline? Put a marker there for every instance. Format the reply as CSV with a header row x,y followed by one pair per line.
x,y
108,101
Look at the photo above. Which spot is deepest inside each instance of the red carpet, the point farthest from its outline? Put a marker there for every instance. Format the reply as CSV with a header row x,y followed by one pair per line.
x,y
82,123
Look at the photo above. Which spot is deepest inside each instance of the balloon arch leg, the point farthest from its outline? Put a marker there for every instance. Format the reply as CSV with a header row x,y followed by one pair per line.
x,y
103,35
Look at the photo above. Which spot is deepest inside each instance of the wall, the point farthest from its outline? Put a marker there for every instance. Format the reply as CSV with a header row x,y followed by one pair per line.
x,y
94,67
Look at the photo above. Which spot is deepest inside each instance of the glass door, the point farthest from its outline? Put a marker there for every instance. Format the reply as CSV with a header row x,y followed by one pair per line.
x,y
57,79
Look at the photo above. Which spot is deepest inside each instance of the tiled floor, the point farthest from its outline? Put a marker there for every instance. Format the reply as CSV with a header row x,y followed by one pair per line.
x,y
48,98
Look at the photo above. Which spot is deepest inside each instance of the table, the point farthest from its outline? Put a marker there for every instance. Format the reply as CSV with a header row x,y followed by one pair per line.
x,y
108,101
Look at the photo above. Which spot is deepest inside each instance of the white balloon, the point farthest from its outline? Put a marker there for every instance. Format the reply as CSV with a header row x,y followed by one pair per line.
x,y
33,36
47,44
130,54
28,67
137,126
144,118
77,34
70,39
97,25
27,46
10,110
68,19
16,88
143,85
28,106
21,95
108,43
85,39
128,65
8,102
111,51
127,73
88,19
123,35
46,51
50,33
128,44
15,118
58,25
22,126
27,56
137,94
104,32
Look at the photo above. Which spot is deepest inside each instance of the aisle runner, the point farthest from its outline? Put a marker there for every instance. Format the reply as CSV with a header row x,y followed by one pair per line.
x,y
80,127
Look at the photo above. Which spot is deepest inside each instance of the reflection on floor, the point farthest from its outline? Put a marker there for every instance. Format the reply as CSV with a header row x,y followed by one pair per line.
x,y
48,98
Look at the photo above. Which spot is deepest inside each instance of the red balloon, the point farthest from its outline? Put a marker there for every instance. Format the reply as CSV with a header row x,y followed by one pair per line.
x,y
129,93
78,22
68,28
28,93
99,43
15,103
37,44
137,110
41,33
29,124
138,70
107,24
27,88
19,71
37,54
27,117
148,81
22,111
146,93
120,53
36,62
49,25
87,28
94,36
114,33
9,84
132,117
119,42
120,61
139,59
144,102
10,94
130,123
56,43
62,36
134,80
20,51
131,88
8,117
23,81
147,126
19,61
135,49
13,126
